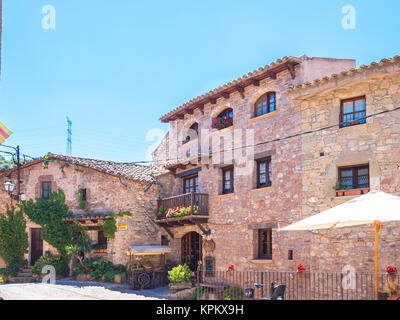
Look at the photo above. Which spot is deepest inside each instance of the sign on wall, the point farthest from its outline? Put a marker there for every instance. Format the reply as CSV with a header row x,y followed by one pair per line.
x,y
123,227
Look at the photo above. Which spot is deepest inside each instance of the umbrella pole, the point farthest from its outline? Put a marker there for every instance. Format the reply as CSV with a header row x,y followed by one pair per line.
x,y
377,228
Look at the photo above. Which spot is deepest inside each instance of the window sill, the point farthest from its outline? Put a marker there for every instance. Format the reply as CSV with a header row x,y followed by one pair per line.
x,y
260,261
261,190
264,116
216,132
223,196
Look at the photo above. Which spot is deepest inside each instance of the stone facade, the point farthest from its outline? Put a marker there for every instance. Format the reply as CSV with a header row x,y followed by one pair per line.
x,y
234,219
105,193
375,143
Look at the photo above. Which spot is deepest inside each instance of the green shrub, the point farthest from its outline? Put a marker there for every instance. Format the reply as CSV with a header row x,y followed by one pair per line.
x,y
100,269
58,262
233,294
13,238
10,271
180,274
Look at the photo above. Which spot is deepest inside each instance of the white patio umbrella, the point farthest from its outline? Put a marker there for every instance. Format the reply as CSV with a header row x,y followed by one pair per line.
x,y
372,208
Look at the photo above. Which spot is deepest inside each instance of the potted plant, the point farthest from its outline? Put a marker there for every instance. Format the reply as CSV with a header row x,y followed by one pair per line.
x,y
301,271
180,278
392,273
230,269
222,122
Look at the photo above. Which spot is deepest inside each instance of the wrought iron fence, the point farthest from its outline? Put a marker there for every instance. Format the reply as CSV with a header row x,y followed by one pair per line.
x,y
238,285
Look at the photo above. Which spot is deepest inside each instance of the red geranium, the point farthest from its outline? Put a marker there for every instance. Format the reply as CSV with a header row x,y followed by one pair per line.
x,y
300,267
231,267
391,269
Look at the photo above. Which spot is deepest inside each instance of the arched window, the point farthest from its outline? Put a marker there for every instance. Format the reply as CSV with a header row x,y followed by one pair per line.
x,y
192,133
265,104
223,120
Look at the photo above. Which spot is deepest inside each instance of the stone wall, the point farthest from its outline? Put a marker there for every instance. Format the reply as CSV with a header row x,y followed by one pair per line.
x,y
105,193
376,143
235,218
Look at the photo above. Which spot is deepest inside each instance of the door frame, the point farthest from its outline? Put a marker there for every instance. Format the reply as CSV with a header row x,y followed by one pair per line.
x,y
33,250
187,246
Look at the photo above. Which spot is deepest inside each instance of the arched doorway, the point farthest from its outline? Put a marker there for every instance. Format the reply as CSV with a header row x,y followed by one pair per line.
x,y
191,249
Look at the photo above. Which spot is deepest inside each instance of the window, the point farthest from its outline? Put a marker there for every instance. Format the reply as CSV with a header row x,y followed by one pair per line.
x,y
46,190
100,238
210,266
223,120
227,180
352,112
191,184
264,177
83,195
192,133
265,104
265,244
355,177
226,113
164,240
290,255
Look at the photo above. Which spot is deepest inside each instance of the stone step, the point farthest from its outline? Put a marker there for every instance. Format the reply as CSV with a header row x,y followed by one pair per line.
x,y
21,280
24,274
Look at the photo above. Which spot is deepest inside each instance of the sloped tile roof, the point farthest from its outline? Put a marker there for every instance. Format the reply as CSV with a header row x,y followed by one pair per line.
x,y
344,74
245,80
126,170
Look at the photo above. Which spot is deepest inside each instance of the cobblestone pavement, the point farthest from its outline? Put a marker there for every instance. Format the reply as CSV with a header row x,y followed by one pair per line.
x,y
68,289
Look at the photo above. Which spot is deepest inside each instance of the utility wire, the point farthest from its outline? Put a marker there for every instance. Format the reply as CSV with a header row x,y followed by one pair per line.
x,y
240,147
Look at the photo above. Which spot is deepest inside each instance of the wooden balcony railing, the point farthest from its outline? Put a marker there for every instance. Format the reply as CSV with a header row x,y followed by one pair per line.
x,y
193,200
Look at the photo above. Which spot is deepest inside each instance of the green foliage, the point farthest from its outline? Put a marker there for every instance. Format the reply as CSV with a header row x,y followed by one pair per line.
x,y
233,294
13,238
62,167
5,164
110,225
100,269
198,293
10,271
58,262
99,246
83,204
49,214
180,274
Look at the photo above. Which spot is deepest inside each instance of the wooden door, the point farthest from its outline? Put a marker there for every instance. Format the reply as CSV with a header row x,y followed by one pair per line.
x,y
191,250
36,245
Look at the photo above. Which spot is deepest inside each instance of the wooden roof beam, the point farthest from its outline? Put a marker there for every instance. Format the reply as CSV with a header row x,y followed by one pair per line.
x,y
272,75
240,89
290,68
212,100
226,95
255,82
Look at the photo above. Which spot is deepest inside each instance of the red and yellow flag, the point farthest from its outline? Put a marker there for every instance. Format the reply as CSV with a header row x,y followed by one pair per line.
x,y
4,133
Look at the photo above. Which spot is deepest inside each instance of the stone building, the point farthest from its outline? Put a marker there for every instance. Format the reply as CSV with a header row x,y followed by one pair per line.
x,y
106,186
243,196
360,150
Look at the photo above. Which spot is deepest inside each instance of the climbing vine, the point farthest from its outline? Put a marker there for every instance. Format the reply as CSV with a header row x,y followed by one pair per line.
x,y
110,225
83,204
49,214
13,237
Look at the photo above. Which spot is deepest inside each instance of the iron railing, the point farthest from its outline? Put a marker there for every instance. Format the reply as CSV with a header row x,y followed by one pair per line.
x,y
238,285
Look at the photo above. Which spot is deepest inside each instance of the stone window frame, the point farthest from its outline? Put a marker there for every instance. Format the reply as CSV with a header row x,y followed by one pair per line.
x,y
260,243
354,177
232,179
38,186
354,122
254,229
268,162
267,97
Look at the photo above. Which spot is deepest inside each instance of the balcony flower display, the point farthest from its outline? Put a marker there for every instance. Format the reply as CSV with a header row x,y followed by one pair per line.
x,y
231,267
391,269
181,211
222,122
301,267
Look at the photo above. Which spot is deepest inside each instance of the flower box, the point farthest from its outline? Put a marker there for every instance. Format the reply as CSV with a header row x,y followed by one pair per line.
x,y
351,192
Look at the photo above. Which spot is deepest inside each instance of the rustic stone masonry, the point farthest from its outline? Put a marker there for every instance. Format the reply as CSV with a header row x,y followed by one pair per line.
x,y
106,192
236,218
375,143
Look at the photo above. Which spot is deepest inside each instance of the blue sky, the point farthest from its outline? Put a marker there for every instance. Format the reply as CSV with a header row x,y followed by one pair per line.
x,y
115,67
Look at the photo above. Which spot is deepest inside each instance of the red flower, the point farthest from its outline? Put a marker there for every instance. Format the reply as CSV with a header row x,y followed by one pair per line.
x,y
300,267
391,269
231,267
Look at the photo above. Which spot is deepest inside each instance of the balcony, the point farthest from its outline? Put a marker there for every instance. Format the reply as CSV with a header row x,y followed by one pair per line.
x,y
189,208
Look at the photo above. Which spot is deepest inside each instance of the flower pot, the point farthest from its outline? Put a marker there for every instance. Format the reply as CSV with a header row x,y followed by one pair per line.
x,y
301,274
392,276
